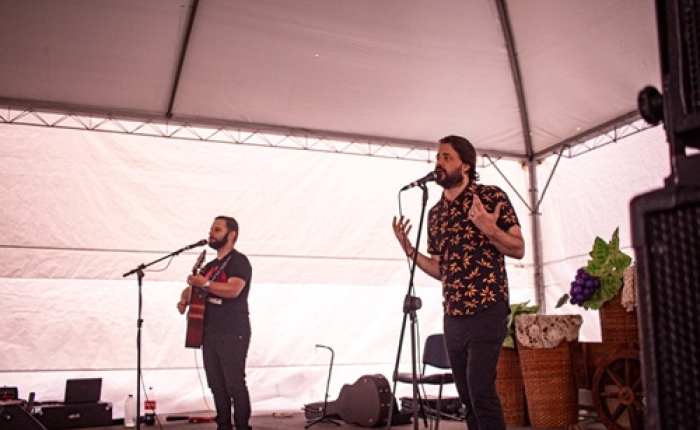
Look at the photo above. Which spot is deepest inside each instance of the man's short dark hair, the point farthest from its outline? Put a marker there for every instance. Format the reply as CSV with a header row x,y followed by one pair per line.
x,y
231,223
466,152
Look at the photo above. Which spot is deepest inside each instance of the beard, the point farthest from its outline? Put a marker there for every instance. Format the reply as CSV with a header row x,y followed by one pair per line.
x,y
217,244
449,180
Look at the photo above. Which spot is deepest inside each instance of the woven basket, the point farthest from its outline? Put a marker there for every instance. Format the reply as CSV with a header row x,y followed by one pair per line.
x,y
552,401
510,387
616,324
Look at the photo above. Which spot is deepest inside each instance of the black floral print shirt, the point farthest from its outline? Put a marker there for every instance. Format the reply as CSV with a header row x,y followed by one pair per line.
x,y
473,271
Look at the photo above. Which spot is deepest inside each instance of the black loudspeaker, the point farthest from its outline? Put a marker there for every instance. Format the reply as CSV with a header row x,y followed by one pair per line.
x,y
666,239
678,23
666,230
73,416
14,417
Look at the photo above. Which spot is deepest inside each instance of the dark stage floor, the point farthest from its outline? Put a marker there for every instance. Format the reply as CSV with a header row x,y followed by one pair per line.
x,y
298,421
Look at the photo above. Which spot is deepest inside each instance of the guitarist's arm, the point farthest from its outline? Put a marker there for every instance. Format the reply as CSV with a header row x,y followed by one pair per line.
x,y
227,290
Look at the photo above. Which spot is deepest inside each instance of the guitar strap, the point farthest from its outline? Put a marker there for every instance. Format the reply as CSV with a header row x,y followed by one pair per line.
x,y
222,266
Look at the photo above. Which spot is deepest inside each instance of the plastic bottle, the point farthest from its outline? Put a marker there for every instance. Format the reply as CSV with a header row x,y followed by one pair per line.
x,y
130,411
149,408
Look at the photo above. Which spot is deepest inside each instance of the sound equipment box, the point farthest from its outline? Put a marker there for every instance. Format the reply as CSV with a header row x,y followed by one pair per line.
x,y
78,415
666,230
8,393
14,417
666,238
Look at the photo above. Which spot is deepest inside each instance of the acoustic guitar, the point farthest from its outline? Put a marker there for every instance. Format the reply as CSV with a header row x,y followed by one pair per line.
x,y
365,403
195,315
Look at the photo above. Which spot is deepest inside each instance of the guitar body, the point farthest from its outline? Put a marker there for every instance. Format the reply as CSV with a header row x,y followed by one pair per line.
x,y
195,319
195,315
365,403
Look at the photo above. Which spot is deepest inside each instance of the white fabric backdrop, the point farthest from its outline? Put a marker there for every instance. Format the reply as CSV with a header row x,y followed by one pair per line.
x,y
79,209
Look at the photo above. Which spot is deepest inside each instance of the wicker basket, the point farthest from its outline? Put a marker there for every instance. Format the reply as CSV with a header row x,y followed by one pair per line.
x,y
552,401
510,387
616,324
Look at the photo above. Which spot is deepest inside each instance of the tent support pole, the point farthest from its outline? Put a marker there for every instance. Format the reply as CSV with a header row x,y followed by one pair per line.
x,y
536,236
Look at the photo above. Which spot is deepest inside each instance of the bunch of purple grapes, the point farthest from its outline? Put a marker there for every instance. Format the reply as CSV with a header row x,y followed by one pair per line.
x,y
583,287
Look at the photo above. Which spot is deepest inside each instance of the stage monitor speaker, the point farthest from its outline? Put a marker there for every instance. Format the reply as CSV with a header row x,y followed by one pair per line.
x,y
14,417
666,239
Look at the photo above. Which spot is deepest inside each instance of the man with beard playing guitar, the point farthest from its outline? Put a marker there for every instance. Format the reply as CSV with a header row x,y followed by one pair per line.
x,y
225,282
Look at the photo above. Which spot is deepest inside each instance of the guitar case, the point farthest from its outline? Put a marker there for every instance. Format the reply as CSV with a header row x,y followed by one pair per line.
x,y
364,403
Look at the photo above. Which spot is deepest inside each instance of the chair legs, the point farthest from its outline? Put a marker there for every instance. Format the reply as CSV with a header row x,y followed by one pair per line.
x,y
439,409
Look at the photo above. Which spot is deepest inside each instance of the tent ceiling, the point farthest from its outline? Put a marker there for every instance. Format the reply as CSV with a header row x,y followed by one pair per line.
x,y
405,71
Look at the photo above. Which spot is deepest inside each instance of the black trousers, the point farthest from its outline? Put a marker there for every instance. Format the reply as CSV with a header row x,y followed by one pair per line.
x,y
474,346
224,363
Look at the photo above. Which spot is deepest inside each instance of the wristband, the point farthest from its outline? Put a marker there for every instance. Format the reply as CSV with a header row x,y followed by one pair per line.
x,y
205,287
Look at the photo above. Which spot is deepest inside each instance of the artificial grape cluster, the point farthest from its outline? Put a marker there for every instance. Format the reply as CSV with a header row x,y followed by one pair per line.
x,y
583,287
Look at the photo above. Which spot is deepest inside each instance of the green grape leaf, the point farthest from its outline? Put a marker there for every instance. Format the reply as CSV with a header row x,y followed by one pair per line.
x,y
615,240
619,261
562,300
600,252
608,264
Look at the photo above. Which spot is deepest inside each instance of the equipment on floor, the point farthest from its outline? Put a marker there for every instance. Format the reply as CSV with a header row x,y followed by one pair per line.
x,y
14,416
365,403
81,407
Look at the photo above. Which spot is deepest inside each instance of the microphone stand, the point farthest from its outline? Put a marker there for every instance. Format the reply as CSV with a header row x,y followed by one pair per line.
x,y
324,417
410,305
139,322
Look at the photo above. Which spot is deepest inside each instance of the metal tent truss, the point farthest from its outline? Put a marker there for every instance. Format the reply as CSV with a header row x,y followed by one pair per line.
x,y
291,138
596,138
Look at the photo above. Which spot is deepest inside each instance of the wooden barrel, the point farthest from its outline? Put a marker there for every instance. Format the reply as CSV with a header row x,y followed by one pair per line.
x,y
510,387
552,399
616,324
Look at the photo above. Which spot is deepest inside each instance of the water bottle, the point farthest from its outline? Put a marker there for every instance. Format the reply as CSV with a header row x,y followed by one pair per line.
x,y
130,411
149,407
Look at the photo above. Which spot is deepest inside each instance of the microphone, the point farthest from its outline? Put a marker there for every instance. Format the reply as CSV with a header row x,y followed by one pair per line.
x,y
427,178
194,245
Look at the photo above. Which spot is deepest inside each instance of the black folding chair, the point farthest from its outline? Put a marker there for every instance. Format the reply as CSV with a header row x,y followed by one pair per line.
x,y
434,355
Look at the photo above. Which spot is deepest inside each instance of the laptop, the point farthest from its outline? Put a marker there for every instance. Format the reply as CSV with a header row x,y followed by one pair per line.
x,y
86,390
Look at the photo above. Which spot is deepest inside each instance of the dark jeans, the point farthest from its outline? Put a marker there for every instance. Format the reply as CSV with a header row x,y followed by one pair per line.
x,y
224,362
474,345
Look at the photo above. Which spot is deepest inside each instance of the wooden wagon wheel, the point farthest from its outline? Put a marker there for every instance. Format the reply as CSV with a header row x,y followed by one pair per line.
x,y
617,391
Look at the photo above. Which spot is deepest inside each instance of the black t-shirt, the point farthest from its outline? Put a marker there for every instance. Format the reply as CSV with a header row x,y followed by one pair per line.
x,y
228,316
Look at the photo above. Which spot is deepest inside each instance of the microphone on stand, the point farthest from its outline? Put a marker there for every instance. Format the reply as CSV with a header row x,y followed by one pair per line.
x,y
427,178
194,245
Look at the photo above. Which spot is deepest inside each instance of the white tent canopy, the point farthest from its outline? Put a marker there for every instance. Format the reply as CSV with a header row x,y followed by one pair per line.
x,y
517,78
79,209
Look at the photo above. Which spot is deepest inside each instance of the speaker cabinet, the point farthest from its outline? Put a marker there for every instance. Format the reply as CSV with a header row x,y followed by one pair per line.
x,y
666,239
678,23
14,417
74,416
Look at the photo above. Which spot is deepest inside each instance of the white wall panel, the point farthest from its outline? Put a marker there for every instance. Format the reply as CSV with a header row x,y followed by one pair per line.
x,y
79,209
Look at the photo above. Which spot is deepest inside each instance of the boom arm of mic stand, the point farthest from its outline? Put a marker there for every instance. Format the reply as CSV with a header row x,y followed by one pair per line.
x,y
143,266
